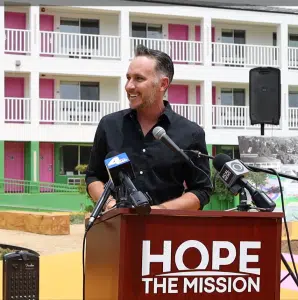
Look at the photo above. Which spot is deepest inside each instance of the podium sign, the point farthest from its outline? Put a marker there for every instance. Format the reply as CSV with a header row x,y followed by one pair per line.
x,y
184,255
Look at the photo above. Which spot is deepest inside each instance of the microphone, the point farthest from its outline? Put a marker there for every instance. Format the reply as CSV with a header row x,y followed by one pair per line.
x,y
120,171
232,173
108,188
160,134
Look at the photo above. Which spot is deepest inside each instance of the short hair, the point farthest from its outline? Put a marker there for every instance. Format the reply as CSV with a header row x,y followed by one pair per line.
x,y
164,63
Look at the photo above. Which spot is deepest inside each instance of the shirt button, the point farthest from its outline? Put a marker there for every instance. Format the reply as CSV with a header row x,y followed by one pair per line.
x,y
141,172
144,150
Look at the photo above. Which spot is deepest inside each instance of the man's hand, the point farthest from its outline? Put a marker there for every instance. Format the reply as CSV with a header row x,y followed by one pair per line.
x,y
111,202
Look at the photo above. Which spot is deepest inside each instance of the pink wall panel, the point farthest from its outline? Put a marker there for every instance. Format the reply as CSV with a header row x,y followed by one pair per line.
x,y
178,94
46,162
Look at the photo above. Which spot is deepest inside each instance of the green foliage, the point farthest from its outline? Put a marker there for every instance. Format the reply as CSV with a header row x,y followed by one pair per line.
x,y
4,251
257,178
219,188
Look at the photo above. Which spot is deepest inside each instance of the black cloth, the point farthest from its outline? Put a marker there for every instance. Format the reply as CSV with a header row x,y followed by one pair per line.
x,y
159,171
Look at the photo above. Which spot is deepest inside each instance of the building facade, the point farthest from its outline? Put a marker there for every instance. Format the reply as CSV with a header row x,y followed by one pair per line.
x,y
63,68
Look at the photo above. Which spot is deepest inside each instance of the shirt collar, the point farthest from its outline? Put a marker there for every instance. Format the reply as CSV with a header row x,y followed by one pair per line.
x,y
168,113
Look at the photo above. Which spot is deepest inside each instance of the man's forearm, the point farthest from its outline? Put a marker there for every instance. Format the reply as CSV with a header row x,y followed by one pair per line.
x,y
187,201
95,190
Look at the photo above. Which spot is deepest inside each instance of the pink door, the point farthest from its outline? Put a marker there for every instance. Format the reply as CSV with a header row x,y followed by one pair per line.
x,y
15,41
178,94
46,91
46,165
178,50
14,166
46,42
15,109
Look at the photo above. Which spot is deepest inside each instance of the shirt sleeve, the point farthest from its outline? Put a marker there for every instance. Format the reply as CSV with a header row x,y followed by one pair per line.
x,y
96,170
198,181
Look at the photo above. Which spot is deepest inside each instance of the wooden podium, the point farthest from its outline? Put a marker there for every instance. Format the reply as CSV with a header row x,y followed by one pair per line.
x,y
175,255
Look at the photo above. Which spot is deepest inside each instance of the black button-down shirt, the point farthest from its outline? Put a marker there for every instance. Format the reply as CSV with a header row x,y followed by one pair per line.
x,y
159,171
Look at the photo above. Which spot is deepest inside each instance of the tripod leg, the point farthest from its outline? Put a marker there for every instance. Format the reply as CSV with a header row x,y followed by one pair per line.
x,y
289,270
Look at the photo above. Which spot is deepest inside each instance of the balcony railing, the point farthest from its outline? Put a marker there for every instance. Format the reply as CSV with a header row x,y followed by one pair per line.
x,y
17,110
179,51
192,112
74,111
229,116
77,45
293,118
245,55
17,41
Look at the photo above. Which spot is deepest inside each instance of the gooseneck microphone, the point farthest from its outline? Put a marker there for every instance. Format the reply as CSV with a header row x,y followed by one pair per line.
x,y
232,173
160,134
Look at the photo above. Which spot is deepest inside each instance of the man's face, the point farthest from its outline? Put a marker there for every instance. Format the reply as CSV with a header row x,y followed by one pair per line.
x,y
144,85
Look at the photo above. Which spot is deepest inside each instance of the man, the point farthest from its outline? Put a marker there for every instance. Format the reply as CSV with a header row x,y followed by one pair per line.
x,y
159,171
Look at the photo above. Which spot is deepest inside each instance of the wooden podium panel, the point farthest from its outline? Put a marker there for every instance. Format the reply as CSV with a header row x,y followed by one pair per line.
x,y
179,255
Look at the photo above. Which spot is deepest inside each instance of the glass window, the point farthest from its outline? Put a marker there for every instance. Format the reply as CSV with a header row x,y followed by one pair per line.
x,y
89,90
293,99
293,40
70,25
154,31
69,90
226,97
239,97
71,156
89,26
139,30
69,159
227,36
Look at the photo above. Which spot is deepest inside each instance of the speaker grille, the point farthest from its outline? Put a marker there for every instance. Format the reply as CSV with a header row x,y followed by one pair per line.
x,y
264,95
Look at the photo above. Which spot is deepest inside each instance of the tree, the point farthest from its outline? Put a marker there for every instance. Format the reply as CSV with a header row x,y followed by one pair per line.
x,y
257,178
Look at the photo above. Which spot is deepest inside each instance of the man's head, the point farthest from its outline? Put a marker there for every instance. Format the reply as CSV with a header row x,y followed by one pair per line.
x,y
148,77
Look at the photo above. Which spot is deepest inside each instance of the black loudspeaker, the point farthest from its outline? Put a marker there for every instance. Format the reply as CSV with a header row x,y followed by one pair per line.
x,y
264,95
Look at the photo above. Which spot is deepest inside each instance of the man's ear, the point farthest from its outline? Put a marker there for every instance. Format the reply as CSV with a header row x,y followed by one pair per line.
x,y
165,82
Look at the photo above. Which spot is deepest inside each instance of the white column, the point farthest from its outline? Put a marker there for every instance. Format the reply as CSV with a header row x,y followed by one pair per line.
x,y
207,104
206,28
124,34
34,98
122,93
34,27
125,54
2,45
282,42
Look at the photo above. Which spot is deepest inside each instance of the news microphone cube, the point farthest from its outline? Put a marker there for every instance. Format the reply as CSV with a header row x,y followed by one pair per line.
x,y
117,164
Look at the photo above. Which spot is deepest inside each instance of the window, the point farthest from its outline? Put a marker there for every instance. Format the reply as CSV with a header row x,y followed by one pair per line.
x,y
71,156
84,26
234,97
293,40
233,36
144,30
293,99
79,90
232,151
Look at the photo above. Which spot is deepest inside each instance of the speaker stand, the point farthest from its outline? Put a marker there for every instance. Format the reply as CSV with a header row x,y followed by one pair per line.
x,y
262,128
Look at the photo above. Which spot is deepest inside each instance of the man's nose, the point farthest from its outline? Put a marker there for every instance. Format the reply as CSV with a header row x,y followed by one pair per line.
x,y
130,85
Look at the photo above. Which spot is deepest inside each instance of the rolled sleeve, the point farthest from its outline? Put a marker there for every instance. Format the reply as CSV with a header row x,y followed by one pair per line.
x,y
198,182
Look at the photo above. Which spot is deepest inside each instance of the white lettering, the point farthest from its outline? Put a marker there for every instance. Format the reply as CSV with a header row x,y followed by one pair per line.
x,y
187,285
148,258
147,281
209,282
255,284
187,245
245,258
162,285
217,260
222,287
244,285
172,286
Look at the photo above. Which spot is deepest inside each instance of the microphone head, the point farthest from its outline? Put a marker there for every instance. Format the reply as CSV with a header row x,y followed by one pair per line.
x,y
158,132
220,160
